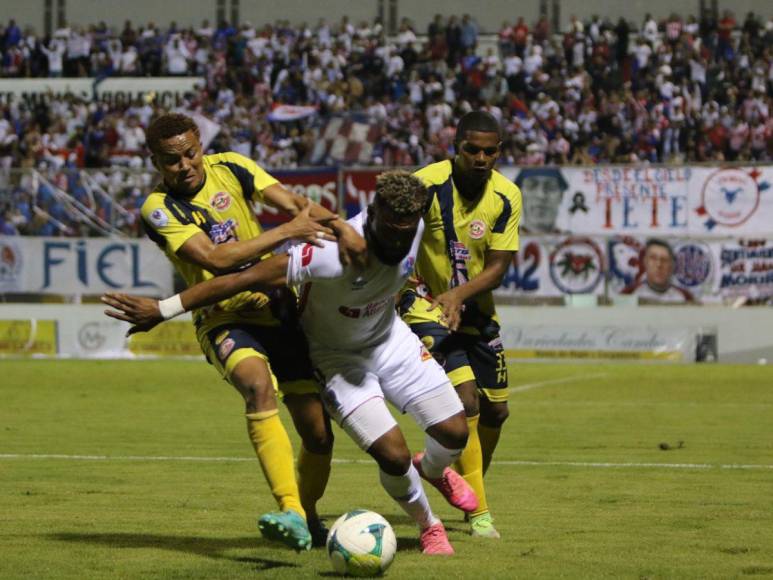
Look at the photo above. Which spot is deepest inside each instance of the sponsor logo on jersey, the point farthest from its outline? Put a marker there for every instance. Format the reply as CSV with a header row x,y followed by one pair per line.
x,y
477,229
224,232
349,312
225,348
306,253
221,201
425,355
730,197
460,252
159,218
576,265
367,310
693,264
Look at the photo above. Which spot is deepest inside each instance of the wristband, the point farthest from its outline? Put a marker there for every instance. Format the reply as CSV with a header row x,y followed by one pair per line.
x,y
171,307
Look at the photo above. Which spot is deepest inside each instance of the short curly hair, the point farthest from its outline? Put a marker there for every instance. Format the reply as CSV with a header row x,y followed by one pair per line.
x,y
167,126
401,192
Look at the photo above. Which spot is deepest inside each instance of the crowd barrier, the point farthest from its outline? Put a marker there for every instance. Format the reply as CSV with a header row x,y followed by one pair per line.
x,y
653,334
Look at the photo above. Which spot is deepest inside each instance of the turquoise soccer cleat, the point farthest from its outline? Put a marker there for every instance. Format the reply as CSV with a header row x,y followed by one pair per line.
x,y
287,527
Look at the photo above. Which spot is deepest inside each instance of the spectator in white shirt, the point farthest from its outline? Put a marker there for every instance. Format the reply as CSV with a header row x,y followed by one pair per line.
x,y
55,54
177,56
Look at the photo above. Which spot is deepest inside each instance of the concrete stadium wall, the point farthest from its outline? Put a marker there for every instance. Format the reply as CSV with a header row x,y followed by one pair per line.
x,y
488,13
744,335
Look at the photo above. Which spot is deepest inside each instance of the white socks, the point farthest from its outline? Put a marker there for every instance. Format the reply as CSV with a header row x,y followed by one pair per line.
x,y
437,458
409,493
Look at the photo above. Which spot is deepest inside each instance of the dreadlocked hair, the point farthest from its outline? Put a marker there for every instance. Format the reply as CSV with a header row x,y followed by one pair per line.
x,y
167,126
401,192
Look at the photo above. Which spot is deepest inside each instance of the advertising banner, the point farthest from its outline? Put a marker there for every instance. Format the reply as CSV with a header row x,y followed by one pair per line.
x,y
556,266
319,185
653,201
174,338
735,202
702,271
167,91
603,342
67,266
359,189
24,337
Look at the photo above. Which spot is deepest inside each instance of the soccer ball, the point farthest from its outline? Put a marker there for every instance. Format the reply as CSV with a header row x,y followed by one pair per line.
x,y
361,543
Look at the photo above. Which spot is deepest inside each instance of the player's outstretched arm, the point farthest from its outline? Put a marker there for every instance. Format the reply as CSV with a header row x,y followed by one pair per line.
x,y
222,258
145,313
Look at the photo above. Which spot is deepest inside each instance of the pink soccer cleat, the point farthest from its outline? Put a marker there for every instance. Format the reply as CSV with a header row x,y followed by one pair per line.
x,y
434,541
452,485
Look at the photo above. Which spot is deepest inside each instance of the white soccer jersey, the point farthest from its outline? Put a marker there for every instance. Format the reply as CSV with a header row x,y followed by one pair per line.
x,y
347,309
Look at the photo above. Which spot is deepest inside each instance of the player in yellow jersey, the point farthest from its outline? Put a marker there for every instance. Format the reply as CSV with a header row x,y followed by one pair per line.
x,y
470,238
201,217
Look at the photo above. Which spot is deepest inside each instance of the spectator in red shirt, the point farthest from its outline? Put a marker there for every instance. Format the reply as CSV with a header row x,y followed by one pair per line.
x,y
520,37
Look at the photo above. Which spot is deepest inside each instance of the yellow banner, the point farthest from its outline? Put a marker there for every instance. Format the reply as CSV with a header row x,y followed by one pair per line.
x,y
596,354
21,337
167,339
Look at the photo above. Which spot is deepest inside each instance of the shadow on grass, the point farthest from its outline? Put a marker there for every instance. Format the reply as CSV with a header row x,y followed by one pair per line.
x,y
206,547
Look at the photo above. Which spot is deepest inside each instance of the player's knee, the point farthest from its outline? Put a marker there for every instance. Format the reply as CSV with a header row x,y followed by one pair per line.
x,y
259,395
319,440
494,415
394,461
451,433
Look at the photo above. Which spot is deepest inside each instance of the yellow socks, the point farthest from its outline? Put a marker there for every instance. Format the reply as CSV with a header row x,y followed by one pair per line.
x,y
275,453
313,474
470,465
489,437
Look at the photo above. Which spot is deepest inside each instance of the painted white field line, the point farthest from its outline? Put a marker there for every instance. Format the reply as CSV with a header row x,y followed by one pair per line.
x,y
602,465
573,378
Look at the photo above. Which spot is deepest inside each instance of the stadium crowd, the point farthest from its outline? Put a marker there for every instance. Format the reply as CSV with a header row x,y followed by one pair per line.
x,y
599,92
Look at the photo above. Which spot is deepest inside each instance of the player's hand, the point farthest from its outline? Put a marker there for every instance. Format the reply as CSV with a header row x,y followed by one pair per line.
x,y
305,228
143,313
352,249
452,308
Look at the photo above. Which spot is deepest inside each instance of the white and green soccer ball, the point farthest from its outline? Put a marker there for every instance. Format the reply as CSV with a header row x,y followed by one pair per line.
x,y
361,543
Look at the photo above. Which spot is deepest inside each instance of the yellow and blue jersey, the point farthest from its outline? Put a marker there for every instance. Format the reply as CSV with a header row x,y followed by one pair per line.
x,y
458,233
221,209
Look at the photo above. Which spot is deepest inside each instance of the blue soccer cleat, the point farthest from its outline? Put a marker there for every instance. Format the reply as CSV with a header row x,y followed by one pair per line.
x,y
287,527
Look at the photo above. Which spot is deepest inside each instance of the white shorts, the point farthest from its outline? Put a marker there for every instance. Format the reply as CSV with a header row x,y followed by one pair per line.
x,y
400,369
368,422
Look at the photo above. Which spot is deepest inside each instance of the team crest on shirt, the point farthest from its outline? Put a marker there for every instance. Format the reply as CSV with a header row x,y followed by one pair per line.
x,y
477,229
425,354
159,218
221,201
225,348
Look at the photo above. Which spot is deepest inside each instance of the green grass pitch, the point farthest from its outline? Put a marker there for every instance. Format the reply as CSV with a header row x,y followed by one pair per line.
x,y
580,487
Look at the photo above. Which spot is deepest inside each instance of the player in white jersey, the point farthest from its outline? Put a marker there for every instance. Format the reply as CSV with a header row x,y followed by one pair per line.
x,y
363,351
